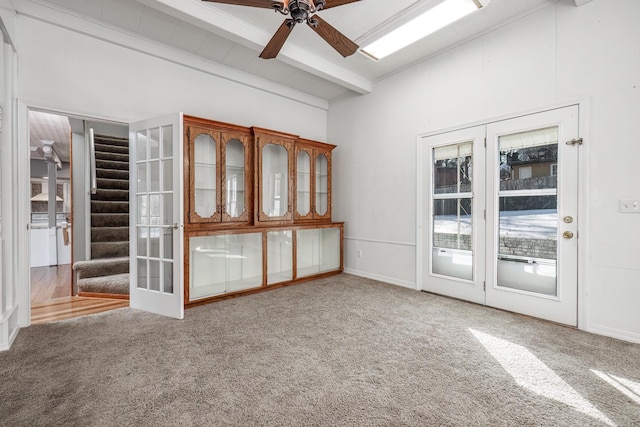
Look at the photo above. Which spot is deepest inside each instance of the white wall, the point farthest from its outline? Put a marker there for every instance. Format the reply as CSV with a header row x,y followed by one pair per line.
x,y
67,71
559,53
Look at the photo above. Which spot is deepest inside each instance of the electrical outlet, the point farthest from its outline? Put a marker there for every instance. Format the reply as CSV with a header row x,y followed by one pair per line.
x,y
359,251
630,206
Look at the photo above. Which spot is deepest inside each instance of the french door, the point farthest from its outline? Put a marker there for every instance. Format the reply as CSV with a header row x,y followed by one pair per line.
x,y
502,214
156,212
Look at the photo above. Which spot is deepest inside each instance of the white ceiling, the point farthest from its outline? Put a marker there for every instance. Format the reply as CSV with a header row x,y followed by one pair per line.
x,y
49,127
235,35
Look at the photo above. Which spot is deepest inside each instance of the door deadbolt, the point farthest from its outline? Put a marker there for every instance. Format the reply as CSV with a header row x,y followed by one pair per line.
x,y
568,219
567,234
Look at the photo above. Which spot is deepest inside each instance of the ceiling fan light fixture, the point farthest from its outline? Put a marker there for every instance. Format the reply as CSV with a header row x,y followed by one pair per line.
x,y
432,20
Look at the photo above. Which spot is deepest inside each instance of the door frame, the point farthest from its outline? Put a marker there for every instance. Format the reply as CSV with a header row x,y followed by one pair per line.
x,y
583,104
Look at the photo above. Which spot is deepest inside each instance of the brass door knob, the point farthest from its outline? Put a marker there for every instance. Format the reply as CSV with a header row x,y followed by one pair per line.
x,y
567,234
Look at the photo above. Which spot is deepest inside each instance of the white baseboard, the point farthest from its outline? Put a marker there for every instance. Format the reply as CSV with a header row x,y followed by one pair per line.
x,y
614,333
380,278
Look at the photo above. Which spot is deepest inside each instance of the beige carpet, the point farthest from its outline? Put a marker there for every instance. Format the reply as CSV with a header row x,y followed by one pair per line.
x,y
338,351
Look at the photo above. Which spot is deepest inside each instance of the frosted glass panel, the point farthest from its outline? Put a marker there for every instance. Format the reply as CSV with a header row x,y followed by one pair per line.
x,y
279,256
318,250
205,175
275,180
235,201
322,186
224,263
304,183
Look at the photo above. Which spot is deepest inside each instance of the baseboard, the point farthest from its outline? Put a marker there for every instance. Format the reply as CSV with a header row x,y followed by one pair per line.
x,y
614,333
9,329
381,278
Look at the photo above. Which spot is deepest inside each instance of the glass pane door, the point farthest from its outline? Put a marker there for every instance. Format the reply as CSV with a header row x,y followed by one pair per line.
x,y
303,183
275,180
205,178
453,261
157,213
532,215
235,178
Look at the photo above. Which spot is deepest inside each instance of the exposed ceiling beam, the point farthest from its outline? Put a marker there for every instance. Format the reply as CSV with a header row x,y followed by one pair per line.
x,y
212,19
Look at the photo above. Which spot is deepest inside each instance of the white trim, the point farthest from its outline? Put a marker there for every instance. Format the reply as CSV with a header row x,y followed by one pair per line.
x,y
386,242
614,333
24,209
50,14
584,179
380,278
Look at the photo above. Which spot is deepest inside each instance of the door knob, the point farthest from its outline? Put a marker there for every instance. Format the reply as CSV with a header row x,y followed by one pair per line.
x,y
567,234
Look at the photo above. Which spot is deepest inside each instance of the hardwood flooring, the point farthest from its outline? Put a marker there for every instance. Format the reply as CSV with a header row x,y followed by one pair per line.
x,y
70,307
51,297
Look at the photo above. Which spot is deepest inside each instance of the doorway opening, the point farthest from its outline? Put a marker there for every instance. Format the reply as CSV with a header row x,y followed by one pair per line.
x,y
61,232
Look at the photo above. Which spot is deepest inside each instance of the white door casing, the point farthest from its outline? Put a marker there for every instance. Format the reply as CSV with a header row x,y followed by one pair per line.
x,y
156,216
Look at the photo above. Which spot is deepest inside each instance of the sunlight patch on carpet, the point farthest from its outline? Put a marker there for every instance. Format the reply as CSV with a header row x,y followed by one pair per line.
x,y
532,374
627,387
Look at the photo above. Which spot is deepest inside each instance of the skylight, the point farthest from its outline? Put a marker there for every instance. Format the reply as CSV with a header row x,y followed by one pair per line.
x,y
421,26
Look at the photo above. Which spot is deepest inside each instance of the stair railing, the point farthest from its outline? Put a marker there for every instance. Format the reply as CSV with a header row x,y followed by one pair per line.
x,y
92,162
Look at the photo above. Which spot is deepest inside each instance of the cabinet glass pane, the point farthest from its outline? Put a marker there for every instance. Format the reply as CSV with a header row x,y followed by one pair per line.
x,y
322,184
224,263
204,156
279,256
303,184
318,250
235,177
275,180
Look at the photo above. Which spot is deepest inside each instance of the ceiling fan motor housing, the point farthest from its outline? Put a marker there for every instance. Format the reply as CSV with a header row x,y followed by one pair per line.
x,y
299,10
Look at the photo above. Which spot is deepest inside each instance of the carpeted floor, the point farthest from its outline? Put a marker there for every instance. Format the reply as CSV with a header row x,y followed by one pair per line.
x,y
338,351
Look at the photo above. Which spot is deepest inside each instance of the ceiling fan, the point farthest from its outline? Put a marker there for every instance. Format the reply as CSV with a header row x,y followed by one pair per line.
x,y
300,11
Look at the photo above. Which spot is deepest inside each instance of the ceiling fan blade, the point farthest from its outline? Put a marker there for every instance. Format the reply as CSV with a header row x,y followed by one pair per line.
x,y
267,4
272,48
335,38
335,3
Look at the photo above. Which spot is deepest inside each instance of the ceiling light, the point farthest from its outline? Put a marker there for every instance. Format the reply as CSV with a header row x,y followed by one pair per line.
x,y
421,26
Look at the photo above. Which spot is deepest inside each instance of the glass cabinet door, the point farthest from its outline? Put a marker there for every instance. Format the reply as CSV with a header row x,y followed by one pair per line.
x,y
317,251
303,184
204,171
236,182
275,158
322,186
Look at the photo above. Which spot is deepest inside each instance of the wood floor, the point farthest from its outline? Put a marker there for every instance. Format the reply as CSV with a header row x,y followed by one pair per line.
x,y
51,298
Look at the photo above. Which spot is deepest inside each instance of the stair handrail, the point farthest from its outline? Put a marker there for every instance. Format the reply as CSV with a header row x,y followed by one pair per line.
x,y
92,162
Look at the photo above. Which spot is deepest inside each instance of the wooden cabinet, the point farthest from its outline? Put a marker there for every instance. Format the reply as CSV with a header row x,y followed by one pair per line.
x,y
274,168
218,159
258,205
312,181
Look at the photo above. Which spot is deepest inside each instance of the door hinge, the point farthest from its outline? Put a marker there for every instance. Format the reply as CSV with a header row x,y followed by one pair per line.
x,y
484,285
485,142
484,214
575,141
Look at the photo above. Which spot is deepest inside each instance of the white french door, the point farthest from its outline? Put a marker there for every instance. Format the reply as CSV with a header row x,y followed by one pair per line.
x,y
502,214
454,238
532,207
156,216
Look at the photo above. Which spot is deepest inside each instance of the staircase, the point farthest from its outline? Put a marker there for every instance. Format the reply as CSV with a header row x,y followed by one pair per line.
x,y
107,272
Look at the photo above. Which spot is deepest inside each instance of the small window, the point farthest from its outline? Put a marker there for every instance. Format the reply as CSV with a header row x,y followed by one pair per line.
x,y
524,172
